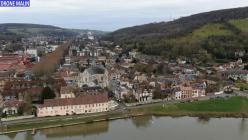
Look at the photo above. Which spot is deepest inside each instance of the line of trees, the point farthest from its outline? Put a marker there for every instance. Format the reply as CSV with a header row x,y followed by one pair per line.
x,y
52,61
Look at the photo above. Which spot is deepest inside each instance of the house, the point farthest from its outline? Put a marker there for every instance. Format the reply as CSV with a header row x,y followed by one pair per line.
x,y
85,104
120,92
67,61
143,93
133,54
199,89
67,92
141,77
178,94
11,107
186,91
32,51
74,50
51,48
94,76
236,74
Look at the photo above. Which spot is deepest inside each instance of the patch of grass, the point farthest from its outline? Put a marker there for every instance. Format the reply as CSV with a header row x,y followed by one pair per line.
x,y
231,105
198,35
241,24
61,122
241,85
211,30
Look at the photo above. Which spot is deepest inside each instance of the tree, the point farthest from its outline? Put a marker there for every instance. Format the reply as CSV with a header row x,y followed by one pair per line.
x,y
51,62
157,94
246,67
4,115
20,110
47,93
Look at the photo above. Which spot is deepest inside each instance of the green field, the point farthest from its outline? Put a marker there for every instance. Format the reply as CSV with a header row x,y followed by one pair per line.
x,y
203,33
231,105
211,30
241,24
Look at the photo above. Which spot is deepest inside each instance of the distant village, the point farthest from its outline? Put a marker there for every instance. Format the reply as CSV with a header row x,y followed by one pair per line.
x,y
97,76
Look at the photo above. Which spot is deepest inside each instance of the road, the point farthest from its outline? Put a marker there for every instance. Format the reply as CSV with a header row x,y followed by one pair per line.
x,y
121,109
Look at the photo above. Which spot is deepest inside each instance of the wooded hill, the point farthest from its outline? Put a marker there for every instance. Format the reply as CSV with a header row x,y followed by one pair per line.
x,y
207,36
12,31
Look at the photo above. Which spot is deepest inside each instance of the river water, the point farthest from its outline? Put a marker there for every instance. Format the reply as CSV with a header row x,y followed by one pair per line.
x,y
145,128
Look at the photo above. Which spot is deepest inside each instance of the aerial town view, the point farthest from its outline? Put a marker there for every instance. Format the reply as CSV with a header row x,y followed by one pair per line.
x,y
123,70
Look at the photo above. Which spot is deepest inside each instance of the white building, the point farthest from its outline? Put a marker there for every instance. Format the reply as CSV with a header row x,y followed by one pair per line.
x,y
178,95
90,103
51,48
33,52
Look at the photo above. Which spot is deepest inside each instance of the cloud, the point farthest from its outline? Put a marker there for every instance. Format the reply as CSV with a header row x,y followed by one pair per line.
x,y
110,14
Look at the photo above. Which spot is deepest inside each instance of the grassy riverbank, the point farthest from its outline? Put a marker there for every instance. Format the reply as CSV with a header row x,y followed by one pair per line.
x,y
231,107
50,123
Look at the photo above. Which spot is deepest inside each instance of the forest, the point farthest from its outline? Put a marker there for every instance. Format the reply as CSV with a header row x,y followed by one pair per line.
x,y
205,37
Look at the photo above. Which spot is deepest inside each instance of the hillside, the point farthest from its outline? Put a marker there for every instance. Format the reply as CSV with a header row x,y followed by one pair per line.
x,y
207,36
10,31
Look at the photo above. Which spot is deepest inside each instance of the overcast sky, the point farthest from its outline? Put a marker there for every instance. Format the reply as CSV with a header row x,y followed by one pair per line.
x,y
109,15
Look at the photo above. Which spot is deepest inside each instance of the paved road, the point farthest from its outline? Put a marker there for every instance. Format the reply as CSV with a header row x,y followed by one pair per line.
x,y
121,109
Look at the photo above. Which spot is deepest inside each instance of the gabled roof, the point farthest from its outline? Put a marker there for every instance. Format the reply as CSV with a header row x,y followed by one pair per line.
x,y
81,100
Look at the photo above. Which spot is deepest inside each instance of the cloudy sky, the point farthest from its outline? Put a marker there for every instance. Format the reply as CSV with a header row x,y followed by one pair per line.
x,y
109,15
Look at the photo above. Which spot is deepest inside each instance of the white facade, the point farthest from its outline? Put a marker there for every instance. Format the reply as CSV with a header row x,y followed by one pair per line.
x,y
10,110
143,96
73,109
33,52
178,95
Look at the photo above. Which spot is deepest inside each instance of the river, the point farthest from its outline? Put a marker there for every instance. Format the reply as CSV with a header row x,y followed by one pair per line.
x,y
145,128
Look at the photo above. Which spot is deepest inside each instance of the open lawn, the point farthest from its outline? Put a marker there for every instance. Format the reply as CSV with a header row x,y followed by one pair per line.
x,y
231,105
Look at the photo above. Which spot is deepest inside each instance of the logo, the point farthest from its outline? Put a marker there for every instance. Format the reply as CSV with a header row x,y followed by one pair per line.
x,y
14,3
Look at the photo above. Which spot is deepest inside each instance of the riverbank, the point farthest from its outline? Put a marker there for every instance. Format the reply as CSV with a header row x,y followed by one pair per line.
x,y
21,127
234,107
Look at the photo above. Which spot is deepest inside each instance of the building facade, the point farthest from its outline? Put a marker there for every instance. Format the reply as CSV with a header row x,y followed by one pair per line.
x,y
69,106
94,76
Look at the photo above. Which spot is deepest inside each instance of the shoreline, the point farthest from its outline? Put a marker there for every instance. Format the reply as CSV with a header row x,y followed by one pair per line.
x,y
234,107
203,115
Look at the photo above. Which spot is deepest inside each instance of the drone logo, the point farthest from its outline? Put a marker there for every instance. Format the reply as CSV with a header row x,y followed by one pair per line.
x,y
14,3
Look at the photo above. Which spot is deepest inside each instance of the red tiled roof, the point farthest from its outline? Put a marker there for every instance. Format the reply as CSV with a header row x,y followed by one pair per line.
x,y
5,67
86,99
12,103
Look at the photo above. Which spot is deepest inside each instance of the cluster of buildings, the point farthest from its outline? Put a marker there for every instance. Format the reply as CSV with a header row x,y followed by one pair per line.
x,y
92,78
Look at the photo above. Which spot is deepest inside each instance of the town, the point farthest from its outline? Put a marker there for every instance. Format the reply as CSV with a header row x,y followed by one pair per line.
x,y
52,77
